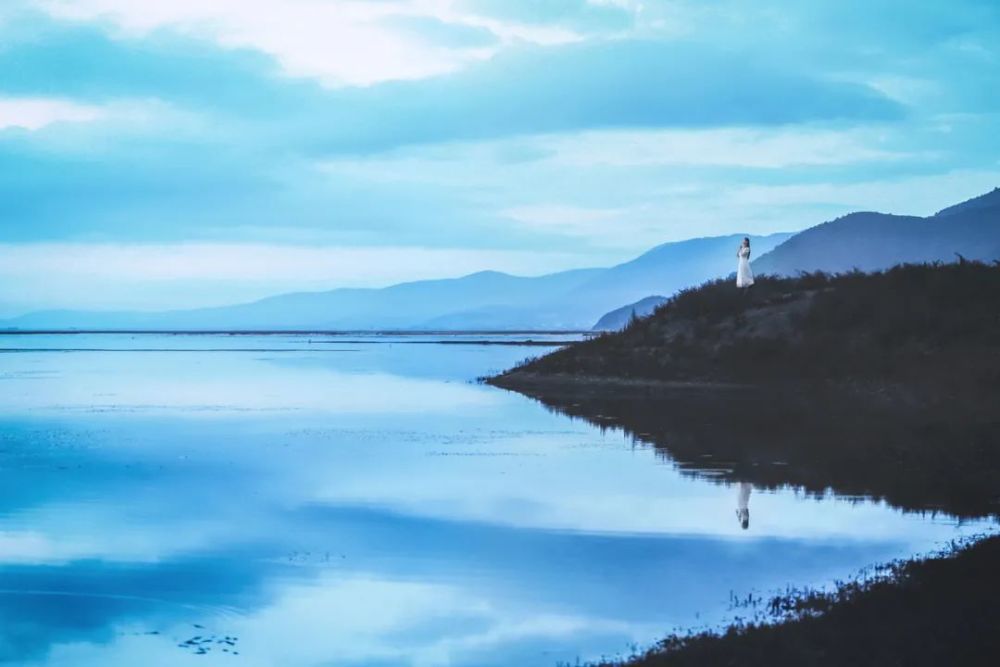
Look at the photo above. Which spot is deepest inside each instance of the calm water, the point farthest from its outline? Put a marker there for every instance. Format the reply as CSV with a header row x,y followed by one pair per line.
x,y
359,500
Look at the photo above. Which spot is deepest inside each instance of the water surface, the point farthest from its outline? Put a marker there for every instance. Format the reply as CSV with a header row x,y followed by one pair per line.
x,y
307,500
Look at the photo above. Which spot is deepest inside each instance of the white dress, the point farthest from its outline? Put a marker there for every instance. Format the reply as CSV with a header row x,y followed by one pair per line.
x,y
743,505
744,276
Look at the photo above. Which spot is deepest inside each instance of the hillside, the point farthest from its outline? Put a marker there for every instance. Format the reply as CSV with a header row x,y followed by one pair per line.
x,y
881,385
620,317
913,322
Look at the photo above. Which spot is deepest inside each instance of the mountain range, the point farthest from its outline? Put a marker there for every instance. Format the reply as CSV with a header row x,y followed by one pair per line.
x,y
491,300
872,241
488,300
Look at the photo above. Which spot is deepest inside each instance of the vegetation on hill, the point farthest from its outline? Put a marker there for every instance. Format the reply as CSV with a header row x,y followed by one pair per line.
x,y
939,611
910,324
619,318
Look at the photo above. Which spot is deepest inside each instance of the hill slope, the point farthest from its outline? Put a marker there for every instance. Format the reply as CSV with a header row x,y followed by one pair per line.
x,y
620,317
936,323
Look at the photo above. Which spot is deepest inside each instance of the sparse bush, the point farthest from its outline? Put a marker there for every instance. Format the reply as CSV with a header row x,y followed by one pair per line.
x,y
890,325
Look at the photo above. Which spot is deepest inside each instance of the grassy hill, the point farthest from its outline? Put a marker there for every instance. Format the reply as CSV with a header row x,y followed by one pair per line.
x,y
932,326
620,317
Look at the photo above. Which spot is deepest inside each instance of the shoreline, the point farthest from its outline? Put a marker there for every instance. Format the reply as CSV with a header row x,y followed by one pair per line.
x,y
567,384
922,612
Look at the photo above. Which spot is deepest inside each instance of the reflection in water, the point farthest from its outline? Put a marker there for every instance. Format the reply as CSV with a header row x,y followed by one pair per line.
x,y
814,438
743,505
367,508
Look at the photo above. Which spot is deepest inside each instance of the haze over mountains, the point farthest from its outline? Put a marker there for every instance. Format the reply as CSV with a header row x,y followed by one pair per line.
x,y
485,300
577,299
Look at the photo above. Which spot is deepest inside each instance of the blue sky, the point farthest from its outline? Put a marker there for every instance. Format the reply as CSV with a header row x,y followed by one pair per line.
x,y
156,155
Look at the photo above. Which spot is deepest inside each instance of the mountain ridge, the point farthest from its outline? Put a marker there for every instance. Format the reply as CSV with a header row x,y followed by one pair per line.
x,y
576,299
488,299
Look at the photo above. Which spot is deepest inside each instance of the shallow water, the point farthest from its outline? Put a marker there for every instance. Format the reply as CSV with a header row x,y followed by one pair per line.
x,y
360,500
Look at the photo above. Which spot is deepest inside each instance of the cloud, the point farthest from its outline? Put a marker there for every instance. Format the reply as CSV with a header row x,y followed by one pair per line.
x,y
590,86
444,34
36,113
568,220
922,194
249,261
773,148
523,91
593,127
586,15
308,38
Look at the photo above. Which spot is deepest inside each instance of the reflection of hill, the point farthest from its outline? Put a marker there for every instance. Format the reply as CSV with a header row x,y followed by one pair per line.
x,y
851,443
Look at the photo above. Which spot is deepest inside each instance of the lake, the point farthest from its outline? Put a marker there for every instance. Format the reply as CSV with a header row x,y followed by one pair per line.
x,y
359,499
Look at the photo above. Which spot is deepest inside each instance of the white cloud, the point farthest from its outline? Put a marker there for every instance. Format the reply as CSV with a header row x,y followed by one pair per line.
x,y
353,266
158,276
340,42
729,147
559,216
34,113
914,195
603,225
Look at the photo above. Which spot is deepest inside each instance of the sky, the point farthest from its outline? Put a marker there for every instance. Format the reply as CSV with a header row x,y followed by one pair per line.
x,y
198,152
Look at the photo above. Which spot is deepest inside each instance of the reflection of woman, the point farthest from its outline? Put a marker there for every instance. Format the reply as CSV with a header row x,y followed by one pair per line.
x,y
744,276
743,505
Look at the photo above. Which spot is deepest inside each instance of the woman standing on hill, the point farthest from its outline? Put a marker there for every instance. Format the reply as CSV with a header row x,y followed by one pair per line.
x,y
744,276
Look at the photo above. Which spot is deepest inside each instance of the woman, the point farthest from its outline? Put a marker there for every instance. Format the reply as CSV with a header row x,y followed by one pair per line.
x,y
743,505
744,276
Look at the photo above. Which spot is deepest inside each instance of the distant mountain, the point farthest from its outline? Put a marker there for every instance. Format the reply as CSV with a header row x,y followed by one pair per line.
x,y
617,319
986,201
664,269
576,299
485,300
403,306
872,241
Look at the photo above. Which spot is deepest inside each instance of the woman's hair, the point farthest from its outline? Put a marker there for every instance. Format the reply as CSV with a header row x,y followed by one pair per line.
x,y
746,239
